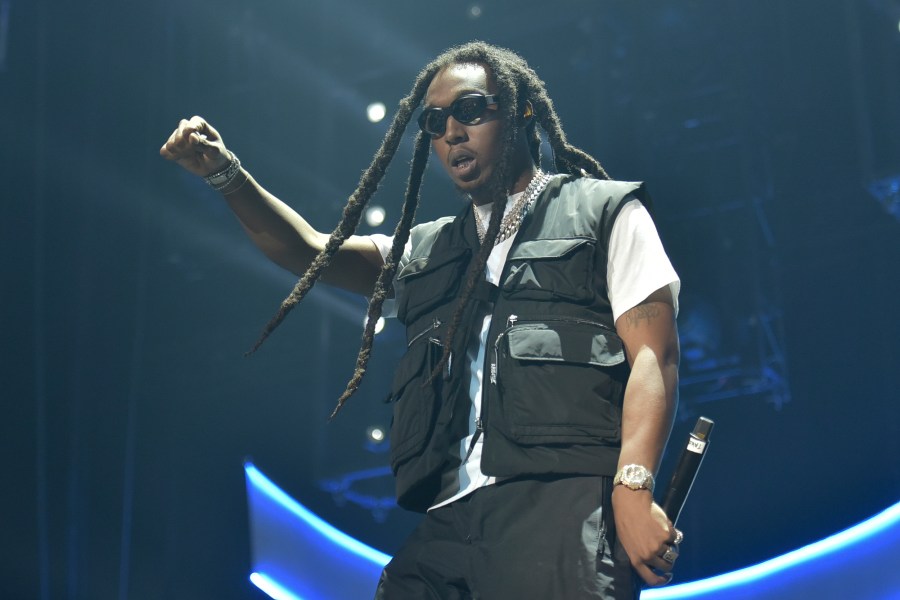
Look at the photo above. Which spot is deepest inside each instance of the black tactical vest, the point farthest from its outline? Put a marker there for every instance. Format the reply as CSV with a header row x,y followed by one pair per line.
x,y
555,369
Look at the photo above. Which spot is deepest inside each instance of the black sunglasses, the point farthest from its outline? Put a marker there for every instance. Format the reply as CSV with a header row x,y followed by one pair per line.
x,y
467,109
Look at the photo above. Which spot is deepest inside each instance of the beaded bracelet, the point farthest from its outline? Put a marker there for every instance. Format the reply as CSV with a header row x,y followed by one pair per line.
x,y
220,179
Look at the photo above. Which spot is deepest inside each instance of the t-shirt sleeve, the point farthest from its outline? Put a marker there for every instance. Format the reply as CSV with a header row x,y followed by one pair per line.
x,y
384,243
638,263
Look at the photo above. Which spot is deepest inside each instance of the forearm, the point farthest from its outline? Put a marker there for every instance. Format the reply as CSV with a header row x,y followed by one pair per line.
x,y
282,234
279,231
651,397
290,241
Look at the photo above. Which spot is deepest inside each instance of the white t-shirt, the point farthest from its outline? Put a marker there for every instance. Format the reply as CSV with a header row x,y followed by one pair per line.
x,y
637,267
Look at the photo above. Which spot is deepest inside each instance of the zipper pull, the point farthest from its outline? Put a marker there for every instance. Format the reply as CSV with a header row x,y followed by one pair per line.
x,y
494,373
435,323
511,320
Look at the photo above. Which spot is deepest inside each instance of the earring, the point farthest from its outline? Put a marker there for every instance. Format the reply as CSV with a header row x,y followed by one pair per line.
x,y
529,110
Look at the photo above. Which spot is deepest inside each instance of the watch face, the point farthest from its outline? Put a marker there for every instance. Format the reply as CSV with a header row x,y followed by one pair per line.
x,y
636,477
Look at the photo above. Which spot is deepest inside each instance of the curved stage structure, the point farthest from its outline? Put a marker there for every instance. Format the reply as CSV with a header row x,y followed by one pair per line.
x,y
298,556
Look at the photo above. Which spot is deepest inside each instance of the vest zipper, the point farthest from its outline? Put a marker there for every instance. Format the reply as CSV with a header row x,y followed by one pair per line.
x,y
510,323
434,325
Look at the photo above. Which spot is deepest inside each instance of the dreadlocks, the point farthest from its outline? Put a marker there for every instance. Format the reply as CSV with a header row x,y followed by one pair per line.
x,y
516,84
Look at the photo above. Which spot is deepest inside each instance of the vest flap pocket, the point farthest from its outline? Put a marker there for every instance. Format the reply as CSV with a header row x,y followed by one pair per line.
x,y
546,249
422,264
551,269
425,283
584,345
561,383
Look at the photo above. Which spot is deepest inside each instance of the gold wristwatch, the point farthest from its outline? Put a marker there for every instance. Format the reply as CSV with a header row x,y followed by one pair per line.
x,y
634,477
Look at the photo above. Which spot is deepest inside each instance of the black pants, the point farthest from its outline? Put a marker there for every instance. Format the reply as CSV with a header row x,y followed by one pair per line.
x,y
521,539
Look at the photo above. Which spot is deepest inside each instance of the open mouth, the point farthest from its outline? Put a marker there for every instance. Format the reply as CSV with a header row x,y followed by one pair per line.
x,y
463,165
462,161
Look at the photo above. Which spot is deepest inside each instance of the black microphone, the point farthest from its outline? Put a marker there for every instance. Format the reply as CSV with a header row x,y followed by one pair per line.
x,y
686,471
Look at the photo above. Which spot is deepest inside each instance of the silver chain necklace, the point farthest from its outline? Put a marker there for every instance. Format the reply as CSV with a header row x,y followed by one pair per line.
x,y
511,221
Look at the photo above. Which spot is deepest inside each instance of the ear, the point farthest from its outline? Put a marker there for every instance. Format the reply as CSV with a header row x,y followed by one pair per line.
x,y
527,114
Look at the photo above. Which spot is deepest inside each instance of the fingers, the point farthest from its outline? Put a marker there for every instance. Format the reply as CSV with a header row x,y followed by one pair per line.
x,y
658,569
196,146
655,576
670,555
192,137
647,536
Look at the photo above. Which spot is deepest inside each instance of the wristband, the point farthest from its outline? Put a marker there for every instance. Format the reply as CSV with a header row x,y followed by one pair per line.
x,y
220,179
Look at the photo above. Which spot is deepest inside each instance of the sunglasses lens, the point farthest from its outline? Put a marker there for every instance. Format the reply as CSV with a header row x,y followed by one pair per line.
x,y
433,121
468,108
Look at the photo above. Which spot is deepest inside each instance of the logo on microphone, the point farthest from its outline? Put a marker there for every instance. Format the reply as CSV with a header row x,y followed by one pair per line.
x,y
695,445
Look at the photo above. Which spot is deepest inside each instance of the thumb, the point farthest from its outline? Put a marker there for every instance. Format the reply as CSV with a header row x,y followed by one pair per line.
x,y
213,151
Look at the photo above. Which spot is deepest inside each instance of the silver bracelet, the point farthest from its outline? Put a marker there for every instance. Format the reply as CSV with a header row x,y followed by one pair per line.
x,y
220,179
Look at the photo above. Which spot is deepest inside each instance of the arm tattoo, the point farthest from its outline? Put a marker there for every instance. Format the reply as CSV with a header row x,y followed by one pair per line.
x,y
640,312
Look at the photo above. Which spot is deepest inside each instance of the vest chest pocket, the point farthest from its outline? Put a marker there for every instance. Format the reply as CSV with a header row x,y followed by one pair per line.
x,y
428,282
561,383
551,268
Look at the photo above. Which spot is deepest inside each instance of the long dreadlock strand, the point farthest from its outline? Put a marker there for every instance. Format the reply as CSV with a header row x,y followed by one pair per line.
x,y
368,185
386,276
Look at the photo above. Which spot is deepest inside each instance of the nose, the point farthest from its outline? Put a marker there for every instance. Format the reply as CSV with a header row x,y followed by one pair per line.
x,y
455,131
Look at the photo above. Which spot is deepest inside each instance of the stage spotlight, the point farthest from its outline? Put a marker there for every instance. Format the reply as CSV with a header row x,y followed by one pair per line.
x,y
375,215
375,434
379,325
376,112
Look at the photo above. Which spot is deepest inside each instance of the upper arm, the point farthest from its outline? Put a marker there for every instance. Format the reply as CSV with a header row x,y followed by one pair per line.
x,y
356,265
651,324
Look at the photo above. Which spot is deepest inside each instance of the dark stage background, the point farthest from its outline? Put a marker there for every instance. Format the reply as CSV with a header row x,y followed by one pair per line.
x,y
768,132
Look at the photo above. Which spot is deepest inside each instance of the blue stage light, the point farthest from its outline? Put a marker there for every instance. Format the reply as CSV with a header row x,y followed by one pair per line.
x,y
850,562
334,535
270,587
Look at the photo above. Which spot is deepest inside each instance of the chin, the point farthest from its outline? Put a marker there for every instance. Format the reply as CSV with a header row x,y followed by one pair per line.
x,y
482,183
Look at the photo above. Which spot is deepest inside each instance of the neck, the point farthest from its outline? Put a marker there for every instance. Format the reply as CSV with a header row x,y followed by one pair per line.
x,y
520,182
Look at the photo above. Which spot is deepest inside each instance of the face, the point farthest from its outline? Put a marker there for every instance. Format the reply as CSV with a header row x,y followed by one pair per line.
x,y
469,153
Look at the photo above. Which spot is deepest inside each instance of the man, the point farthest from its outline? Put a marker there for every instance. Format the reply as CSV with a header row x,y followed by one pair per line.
x,y
535,400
